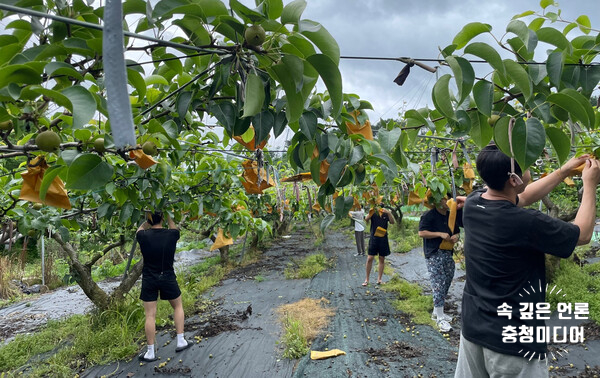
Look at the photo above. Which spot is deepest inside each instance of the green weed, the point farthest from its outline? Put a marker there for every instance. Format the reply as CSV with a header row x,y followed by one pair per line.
x,y
307,268
294,340
259,278
579,284
411,300
405,237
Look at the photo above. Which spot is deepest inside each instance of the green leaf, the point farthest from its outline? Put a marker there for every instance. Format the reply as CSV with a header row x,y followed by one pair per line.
x,y
321,38
137,81
536,24
569,27
560,142
308,125
575,104
83,105
554,67
193,27
280,124
487,53
247,14
126,211
254,95
555,38
295,102
468,32
335,170
483,93
263,123
501,134
18,73
519,76
155,79
356,155
537,73
274,8
584,24
481,131
225,113
82,134
441,97
326,222
414,114
62,68
183,103
546,3
88,171
524,14
292,11
49,176
463,75
332,78
529,139
389,139
527,36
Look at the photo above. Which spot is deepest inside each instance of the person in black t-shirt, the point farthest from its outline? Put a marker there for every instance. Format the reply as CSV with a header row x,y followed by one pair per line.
x,y
505,246
158,276
433,228
378,243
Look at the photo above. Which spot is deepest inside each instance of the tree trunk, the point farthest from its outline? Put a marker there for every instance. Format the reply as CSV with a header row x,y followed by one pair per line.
x,y
83,275
127,284
224,251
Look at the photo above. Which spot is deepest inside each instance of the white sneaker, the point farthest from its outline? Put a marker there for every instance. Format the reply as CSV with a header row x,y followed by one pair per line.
x,y
445,317
444,326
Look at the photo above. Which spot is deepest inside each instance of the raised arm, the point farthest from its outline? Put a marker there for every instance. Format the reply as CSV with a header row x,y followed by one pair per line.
x,y
538,189
586,215
172,224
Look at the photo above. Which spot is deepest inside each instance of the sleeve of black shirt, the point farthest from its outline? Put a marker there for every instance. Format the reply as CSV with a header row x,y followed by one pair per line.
x,y
553,236
426,224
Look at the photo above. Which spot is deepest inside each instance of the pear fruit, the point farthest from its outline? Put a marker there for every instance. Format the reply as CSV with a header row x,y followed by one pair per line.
x,y
493,119
150,148
48,141
99,145
254,35
6,125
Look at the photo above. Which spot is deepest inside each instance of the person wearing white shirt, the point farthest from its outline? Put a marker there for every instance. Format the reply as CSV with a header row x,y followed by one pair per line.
x,y
359,230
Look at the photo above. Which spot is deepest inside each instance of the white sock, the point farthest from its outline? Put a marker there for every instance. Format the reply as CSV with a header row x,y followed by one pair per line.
x,y
181,342
150,352
438,311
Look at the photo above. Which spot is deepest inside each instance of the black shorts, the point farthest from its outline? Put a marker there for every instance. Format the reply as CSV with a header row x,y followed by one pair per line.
x,y
379,246
164,283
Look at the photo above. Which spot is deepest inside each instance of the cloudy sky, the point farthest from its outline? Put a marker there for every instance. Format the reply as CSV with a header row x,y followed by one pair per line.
x,y
414,28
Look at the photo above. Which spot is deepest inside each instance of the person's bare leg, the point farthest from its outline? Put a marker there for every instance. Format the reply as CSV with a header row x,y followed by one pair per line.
x,y
381,266
150,328
178,318
369,266
178,315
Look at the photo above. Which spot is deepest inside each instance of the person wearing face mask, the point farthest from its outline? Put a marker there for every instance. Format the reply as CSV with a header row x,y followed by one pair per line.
x,y
505,247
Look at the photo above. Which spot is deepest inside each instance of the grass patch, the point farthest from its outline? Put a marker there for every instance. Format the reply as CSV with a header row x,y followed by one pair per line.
x,y
307,268
259,278
579,284
406,236
411,300
302,321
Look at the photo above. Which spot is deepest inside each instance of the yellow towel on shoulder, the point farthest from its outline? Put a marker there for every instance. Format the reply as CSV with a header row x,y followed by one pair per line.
x,y
316,355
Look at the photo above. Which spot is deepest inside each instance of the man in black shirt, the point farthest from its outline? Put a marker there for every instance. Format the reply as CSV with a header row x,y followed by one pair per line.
x,y
504,251
158,246
378,243
434,228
